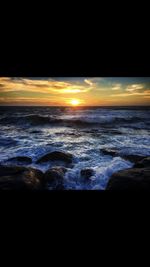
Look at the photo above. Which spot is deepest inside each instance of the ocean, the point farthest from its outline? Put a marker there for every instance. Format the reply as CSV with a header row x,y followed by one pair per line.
x,y
85,132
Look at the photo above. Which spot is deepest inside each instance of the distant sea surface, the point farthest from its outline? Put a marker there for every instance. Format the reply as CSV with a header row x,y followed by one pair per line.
x,y
82,131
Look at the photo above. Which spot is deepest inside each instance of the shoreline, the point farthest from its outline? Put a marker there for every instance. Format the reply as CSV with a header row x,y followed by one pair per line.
x,y
16,176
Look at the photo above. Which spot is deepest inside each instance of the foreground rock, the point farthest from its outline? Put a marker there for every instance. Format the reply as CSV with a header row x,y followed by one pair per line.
x,y
20,160
143,163
20,178
56,156
54,178
135,179
133,158
86,173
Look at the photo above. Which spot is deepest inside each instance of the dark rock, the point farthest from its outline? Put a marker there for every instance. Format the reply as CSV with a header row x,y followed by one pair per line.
x,y
87,173
33,179
134,179
10,170
56,156
54,177
133,158
143,163
109,151
113,152
20,178
35,131
25,160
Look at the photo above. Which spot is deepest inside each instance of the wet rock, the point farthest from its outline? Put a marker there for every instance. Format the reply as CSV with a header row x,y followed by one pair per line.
x,y
109,151
56,156
10,170
21,160
113,152
33,179
133,158
134,179
86,173
54,177
143,163
20,178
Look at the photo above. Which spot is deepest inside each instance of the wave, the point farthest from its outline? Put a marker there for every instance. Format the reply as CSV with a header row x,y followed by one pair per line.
x,y
29,119
35,120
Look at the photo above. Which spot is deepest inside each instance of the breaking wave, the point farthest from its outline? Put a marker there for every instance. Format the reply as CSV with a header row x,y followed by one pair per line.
x,y
35,120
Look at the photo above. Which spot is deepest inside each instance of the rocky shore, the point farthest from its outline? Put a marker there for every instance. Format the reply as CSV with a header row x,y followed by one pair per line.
x,y
15,176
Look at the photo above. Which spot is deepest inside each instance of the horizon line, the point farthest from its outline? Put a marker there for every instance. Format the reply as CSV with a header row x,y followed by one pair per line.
x,y
140,105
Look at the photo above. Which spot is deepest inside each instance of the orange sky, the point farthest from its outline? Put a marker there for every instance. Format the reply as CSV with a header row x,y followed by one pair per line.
x,y
90,91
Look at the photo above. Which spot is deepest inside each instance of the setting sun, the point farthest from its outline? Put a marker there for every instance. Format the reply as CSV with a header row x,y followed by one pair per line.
x,y
75,102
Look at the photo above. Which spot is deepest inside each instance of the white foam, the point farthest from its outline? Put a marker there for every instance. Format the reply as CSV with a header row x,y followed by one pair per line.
x,y
103,171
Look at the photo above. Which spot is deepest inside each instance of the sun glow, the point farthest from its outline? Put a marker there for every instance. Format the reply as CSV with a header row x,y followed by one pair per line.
x,y
74,102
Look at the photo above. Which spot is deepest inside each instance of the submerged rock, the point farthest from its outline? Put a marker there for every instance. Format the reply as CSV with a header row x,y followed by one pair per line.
x,y
109,151
36,131
56,156
113,152
20,178
54,177
134,179
21,160
87,173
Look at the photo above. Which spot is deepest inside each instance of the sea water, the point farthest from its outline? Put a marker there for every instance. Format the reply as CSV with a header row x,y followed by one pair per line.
x,y
81,131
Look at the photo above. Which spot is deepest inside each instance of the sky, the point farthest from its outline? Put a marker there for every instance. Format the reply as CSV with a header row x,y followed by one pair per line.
x,y
83,91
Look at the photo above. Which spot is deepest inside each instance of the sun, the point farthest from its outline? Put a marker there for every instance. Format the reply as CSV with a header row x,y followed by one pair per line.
x,y
74,102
